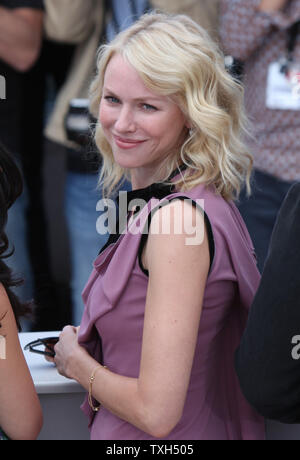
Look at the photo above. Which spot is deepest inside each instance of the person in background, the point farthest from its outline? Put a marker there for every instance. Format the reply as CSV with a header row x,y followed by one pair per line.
x,y
46,237
264,35
267,360
171,119
20,410
87,23
21,30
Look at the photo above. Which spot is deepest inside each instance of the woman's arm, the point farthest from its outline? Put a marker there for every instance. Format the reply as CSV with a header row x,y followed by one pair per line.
x,y
21,32
177,278
20,410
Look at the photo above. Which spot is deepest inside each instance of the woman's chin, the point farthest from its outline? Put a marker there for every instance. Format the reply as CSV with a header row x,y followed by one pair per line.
x,y
126,163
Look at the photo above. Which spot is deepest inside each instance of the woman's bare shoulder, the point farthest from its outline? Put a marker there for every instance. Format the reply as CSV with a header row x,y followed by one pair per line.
x,y
7,317
5,306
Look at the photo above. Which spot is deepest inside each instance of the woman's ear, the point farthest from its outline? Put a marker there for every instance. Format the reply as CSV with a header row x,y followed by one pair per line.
x,y
189,124
190,128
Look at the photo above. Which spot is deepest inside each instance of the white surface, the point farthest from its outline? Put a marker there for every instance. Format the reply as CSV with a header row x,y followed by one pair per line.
x,y
60,397
45,376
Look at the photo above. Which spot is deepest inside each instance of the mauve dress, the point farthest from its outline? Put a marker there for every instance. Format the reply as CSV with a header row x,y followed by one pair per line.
x,y
115,298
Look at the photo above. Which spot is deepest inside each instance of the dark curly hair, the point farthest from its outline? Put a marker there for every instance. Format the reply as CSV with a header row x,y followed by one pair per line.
x,y
11,186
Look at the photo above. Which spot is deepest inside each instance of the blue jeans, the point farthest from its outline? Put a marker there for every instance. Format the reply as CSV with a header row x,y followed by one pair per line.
x,y
85,242
260,210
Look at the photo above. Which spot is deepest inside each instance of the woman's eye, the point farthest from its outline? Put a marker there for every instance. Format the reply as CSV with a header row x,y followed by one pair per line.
x,y
149,107
111,99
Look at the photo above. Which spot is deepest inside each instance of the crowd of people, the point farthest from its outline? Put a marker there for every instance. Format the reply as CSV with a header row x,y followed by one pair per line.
x,y
136,97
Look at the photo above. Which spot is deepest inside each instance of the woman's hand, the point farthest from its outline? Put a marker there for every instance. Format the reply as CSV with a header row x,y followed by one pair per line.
x,y
67,350
272,5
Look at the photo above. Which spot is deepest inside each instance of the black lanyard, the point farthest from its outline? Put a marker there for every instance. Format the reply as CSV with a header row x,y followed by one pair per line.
x,y
290,45
291,42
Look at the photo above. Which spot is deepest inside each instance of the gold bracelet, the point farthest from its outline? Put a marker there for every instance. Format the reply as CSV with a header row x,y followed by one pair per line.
x,y
90,397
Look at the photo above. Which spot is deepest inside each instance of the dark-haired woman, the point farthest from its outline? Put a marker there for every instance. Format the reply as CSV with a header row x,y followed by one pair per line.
x,y
20,410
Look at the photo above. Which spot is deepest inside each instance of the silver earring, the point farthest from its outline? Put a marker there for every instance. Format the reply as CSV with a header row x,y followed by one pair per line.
x,y
191,132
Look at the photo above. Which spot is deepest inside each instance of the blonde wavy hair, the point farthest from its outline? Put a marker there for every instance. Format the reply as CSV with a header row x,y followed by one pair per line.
x,y
175,57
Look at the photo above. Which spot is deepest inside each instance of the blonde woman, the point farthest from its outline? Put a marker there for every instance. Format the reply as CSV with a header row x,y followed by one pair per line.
x,y
169,293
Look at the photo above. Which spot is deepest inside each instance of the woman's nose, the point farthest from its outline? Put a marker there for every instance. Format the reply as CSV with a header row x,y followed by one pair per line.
x,y
125,120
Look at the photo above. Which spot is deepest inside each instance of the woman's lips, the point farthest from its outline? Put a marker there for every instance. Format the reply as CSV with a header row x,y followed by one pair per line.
x,y
126,143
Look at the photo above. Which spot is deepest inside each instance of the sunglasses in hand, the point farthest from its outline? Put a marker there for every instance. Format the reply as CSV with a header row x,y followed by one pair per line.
x,y
48,344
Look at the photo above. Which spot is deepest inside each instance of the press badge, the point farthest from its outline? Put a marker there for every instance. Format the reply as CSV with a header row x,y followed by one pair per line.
x,y
283,88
